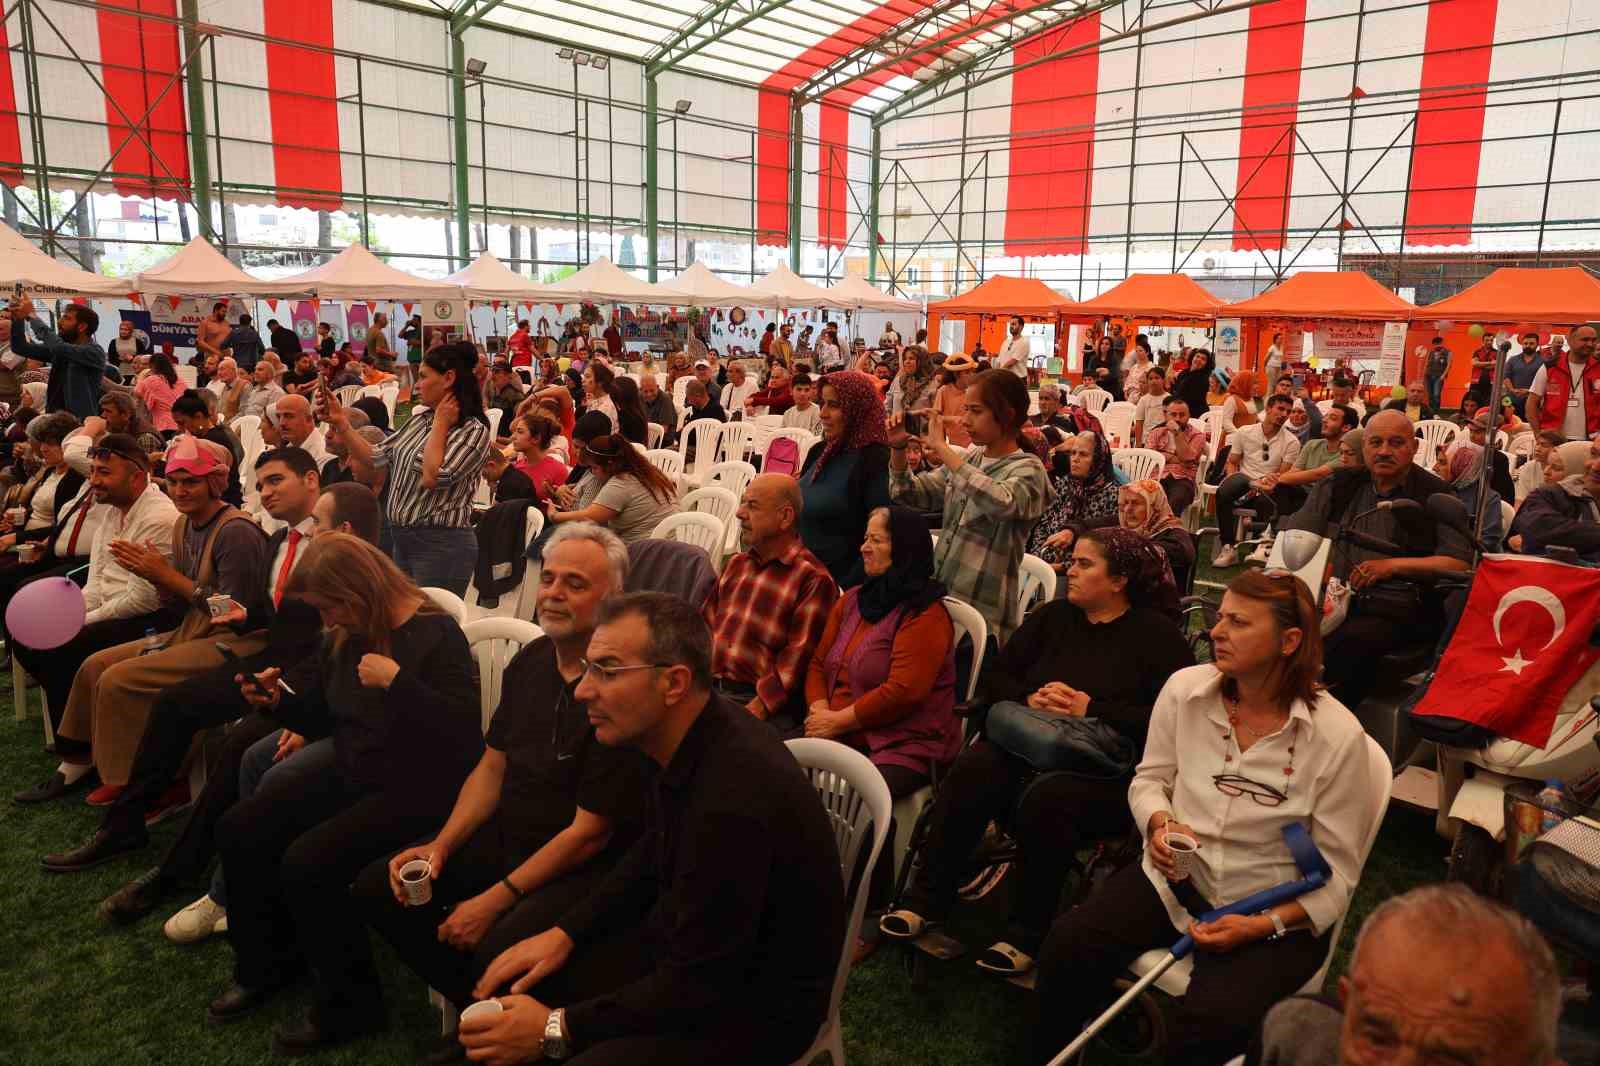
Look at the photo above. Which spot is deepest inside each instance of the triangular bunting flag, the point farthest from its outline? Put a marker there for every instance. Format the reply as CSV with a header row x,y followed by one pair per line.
x,y
408,308
372,307
559,307
272,305
495,304
135,299
174,301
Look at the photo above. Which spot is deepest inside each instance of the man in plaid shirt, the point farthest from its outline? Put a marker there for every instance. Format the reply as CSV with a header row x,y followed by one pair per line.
x,y
769,607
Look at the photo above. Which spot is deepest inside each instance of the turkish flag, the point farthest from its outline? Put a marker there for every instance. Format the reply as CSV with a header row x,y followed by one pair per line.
x,y
1522,642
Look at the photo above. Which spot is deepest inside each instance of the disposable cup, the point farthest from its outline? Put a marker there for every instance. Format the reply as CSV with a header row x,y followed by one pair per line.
x,y
219,604
29,553
416,877
1183,846
484,1008
17,515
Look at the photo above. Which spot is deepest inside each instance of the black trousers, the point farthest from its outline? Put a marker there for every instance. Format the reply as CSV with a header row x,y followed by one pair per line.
x,y
723,1036
1092,944
190,855
1060,813
1352,655
55,669
183,710
1180,493
1236,488
477,867
289,854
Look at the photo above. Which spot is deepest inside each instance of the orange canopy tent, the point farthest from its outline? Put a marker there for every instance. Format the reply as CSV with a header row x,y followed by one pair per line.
x,y
1006,296
1551,296
1156,298
1343,295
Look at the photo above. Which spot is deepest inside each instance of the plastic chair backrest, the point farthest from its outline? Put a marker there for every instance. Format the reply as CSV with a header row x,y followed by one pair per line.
x,y
775,421
1117,421
1094,400
698,528
969,623
713,500
448,601
734,475
665,460
1139,463
495,414
1438,432
736,438
494,643
1037,580
855,796
348,394
654,431
704,435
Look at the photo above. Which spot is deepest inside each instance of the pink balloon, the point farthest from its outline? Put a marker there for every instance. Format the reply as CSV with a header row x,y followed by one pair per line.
x,y
46,613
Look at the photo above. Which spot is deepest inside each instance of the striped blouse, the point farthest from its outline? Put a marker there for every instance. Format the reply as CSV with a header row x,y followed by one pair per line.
x,y
449,503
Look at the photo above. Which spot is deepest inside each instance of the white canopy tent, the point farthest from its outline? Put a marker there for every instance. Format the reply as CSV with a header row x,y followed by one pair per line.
x,y
198,269
791,290
602,281
357,274
701,288
487,278
858,294
23,264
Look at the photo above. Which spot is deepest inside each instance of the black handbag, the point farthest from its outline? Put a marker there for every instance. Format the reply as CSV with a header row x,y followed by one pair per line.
x,y
1049,741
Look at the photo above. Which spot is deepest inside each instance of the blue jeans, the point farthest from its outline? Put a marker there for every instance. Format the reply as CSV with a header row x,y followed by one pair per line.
x,y
256,765
436,556
1435,391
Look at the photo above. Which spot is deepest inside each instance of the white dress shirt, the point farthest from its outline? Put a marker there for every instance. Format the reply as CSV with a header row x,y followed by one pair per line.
x,y
1014,355
1259,456
733,396
307,527
111,591
1241,842
317,446
92,515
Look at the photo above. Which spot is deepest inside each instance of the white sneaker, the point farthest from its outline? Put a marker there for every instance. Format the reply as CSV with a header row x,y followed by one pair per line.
x,y
1226,556
197,921
1263,550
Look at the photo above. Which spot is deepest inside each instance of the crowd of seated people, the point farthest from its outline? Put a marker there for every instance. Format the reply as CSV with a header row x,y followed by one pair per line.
x,y
625,850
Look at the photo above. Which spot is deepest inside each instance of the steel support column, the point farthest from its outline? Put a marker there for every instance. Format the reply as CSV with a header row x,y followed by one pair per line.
x,y
194,84
797,142
652,184
872,204
458,130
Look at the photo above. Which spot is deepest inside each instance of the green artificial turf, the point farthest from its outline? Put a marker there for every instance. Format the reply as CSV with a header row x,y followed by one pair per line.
x,y
76,990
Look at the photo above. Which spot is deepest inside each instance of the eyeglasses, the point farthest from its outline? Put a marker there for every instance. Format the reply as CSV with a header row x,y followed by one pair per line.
x,y
608,674
1235,785
98,452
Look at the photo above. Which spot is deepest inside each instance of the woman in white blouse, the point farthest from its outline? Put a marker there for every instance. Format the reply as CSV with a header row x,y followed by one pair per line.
x,y
1237,750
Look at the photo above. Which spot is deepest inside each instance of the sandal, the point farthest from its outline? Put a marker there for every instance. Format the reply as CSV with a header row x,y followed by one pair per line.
x,y
1003,960
904,925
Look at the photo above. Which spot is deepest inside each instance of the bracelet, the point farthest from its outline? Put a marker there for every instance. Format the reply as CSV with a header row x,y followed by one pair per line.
x,y
515,891
1279,930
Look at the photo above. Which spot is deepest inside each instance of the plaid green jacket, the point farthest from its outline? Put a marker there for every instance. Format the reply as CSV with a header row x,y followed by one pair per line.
x,y
990,506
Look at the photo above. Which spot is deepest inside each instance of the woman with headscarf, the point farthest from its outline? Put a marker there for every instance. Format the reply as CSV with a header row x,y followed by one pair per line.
x,y
845,476
1239,408
1102,653
1142,506
911,387
1462,469
1085,484
1193,386
1351,447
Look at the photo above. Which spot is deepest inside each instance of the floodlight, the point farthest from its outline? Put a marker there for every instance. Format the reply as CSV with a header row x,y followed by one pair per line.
x,y
476,67
600,63
581,59
682,106
565,53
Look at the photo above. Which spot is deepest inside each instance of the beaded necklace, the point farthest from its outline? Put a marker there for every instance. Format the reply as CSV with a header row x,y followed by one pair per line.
x,y
1230,703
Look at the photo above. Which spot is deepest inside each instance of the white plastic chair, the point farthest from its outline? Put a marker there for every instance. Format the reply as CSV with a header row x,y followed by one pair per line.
x,y
1117,420
1037,580
1436,435
494,643
448,602
1520,450
1093,400
666,460
19,701
1139,463
371,390
189,375
389,392
494,415
774,421
1324,406
1380,774
654,431
697,528
968,622
704,436
678,389
348,394
734,475
803,439
855,796
736,441
520,603
713,500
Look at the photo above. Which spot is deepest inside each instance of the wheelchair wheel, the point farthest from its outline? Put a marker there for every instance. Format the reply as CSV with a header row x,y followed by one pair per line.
x,y
1140,1032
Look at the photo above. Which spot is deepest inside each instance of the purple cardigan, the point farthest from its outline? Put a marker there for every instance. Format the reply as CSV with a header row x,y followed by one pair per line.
x,y
929,734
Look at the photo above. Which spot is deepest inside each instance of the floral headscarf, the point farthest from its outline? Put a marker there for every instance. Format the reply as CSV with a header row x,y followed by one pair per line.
x,y
1079,501
1466,466
1132,555
1158,509
864,419
913,385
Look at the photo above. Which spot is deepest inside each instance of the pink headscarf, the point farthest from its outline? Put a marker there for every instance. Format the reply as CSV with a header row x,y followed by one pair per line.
x,y
864,419
201,458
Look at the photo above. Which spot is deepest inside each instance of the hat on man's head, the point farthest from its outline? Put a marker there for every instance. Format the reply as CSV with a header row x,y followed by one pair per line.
x,y
200,458
959,362
701,363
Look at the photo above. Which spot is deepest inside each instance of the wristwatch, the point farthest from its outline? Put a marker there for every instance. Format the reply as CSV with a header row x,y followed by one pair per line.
x,y
201,594
1278,928
556,1044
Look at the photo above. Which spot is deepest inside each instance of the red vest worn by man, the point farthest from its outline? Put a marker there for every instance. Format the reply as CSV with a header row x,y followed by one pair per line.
x,y
1558,386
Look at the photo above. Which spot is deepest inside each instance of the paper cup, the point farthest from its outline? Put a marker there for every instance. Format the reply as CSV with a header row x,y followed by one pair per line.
x,y
1183,846
416,877
29,553
219,605
17,516
484,1008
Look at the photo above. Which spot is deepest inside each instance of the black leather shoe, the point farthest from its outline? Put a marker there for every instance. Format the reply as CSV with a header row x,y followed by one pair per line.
x,y
237,1001
54,787
136,898
307,1034
102,847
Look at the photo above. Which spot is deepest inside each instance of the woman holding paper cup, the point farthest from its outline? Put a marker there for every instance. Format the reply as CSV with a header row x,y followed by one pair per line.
x,y
393,685
1237,750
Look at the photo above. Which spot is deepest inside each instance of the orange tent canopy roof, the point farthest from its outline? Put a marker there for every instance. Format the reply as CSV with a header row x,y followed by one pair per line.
x,y
1552,296
1002,295
1157,296
1347,294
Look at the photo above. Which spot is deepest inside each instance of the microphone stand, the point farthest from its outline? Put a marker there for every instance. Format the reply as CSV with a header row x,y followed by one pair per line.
x,y
1491,448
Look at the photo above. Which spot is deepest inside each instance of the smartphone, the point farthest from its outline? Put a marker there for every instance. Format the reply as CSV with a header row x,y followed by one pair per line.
x,y
250,679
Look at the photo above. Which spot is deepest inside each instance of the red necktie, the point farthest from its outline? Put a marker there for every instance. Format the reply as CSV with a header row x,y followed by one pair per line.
x,y
77,527
288,565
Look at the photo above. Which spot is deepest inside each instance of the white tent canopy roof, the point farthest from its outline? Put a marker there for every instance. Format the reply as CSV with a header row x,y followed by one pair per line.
x,y
357,274
791,290
40,275
859,294
602,281
487,278
198,269
701,288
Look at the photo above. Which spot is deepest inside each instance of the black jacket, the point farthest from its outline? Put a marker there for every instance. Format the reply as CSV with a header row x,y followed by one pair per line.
x,y
293,627
501,562
66,489
1558,515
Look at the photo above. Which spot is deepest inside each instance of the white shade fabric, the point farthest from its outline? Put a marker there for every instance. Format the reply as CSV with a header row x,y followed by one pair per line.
x,y
701,288
858,294
198,269
602,281
791,290
357,274
487,278
40,275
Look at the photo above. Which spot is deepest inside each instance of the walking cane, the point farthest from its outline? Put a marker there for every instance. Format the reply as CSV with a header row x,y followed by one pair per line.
x,y
1315,872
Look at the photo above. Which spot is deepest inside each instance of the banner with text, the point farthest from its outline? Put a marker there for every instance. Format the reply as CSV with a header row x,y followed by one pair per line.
x,y
1229,344
174,319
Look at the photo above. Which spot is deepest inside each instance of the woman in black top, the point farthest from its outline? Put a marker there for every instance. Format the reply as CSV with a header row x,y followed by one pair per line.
x,y
631,420
1193,386
1104,652
393,684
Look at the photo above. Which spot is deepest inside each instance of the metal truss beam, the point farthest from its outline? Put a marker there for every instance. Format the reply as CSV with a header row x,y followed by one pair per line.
x,y
469,13
979,69
714,22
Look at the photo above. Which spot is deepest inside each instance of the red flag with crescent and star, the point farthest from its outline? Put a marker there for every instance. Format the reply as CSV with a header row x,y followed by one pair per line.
x,y
1522,642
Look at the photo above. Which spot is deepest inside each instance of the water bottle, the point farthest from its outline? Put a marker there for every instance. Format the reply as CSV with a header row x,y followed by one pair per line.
x,y
152,641
1550,802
